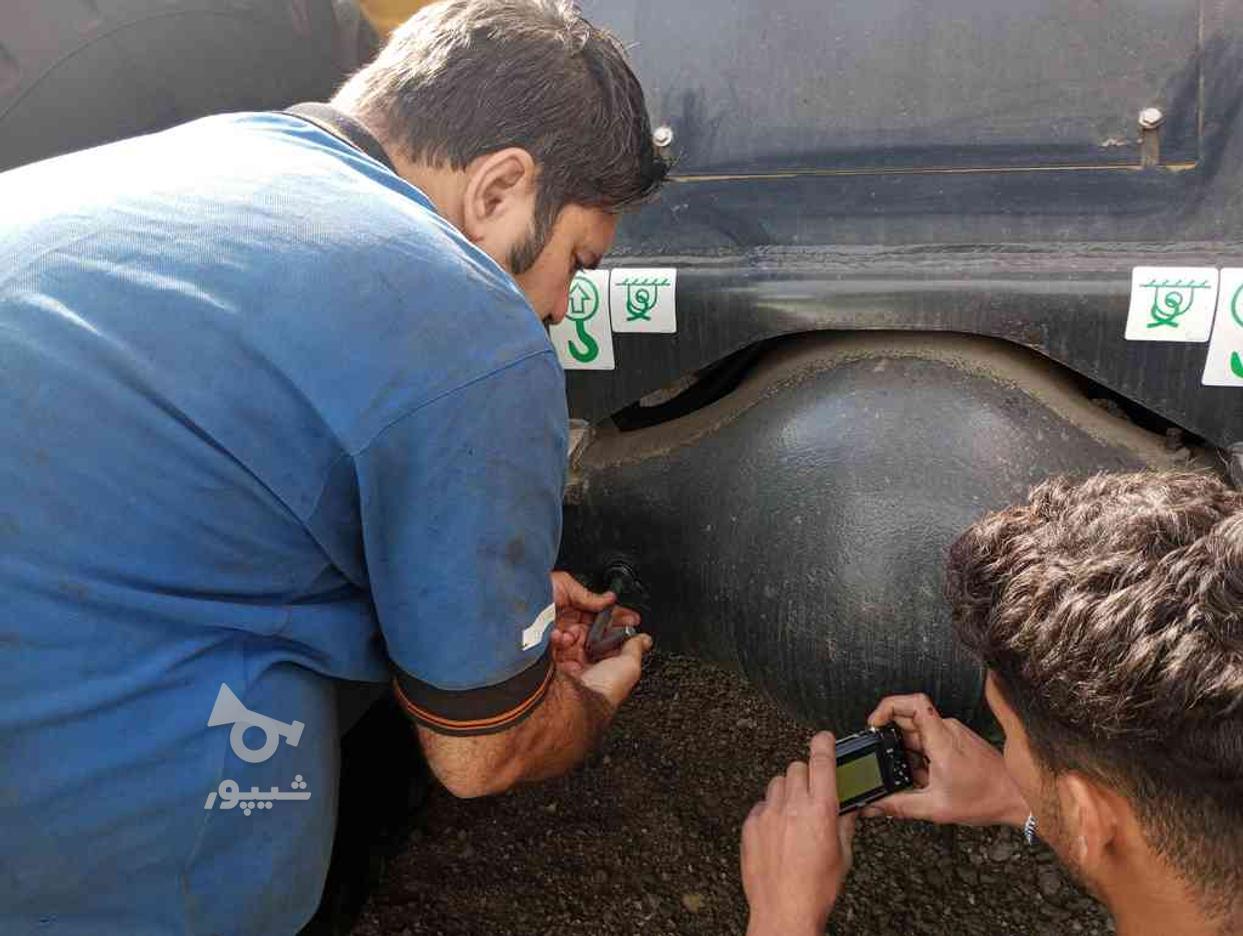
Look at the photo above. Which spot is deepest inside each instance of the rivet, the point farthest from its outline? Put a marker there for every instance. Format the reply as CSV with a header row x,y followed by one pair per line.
x,y
662,136
1150,118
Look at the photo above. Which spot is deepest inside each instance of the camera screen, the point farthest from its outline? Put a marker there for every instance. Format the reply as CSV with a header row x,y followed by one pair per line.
x,y
859,776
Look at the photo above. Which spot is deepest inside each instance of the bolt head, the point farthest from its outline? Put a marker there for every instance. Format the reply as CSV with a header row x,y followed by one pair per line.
x,y
662,136
1150,118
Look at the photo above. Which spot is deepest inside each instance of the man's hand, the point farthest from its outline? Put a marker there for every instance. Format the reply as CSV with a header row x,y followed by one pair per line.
x,y
566,725
577,606
961,778
796,848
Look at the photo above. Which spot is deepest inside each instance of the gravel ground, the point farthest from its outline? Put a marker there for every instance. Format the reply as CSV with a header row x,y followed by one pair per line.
x,y
644,839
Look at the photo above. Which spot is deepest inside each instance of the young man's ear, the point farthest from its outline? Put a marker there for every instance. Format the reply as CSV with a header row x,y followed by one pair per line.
x,y
1091,820
498,207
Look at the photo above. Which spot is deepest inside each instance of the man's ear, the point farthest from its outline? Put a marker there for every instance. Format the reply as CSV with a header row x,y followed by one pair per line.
x,y
1091,820
499,198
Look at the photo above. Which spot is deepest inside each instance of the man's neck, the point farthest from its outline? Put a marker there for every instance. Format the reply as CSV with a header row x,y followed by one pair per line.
x,y
1158,905
442,185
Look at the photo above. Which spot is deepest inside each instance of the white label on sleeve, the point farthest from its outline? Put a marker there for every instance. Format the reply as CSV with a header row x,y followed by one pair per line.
x,y
1224,366
534,635
1171,303
584,338
643,300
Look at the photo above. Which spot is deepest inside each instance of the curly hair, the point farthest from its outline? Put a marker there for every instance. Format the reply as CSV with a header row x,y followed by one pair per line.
x,y
1110,612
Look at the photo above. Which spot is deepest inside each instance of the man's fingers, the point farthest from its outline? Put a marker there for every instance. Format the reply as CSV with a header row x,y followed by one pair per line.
x,y
922,714
894,707
822,765
912,804
572,592
569,636
636,646
625,617
911,739
750,828
796,780
776,793
846,826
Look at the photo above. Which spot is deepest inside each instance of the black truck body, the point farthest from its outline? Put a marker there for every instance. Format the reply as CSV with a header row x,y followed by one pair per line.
x,y
904,235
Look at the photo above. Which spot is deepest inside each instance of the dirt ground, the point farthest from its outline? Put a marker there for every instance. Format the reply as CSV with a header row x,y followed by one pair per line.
x,y
644,839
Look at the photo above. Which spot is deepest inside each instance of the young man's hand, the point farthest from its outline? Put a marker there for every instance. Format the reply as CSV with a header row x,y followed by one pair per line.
x,y
577,606
960,777
796,849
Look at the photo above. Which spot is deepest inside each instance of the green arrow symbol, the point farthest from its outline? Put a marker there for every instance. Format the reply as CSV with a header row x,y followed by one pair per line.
x,y
578,305
1236,364
584,304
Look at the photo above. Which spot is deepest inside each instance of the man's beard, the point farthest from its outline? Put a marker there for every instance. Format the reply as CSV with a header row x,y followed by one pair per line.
x,y
1053,832
523,257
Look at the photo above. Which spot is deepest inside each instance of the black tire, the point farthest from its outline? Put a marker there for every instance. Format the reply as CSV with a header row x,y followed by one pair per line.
x,y
77,73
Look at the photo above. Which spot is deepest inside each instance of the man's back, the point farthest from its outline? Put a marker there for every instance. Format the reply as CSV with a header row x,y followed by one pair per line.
x,y
219,349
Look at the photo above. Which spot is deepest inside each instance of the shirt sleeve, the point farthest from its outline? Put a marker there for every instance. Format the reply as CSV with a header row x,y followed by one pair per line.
x,y
461,515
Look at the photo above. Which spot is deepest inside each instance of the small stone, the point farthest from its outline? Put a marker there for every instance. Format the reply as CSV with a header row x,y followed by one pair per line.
x,y
967,875
1049,881
1001,851
550,808
693,902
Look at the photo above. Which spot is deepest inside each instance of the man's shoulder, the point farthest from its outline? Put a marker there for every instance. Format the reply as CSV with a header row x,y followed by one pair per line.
x,y
375,222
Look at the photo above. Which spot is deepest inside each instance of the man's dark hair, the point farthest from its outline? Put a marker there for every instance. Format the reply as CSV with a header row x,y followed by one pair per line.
x,y
464,78
1110,612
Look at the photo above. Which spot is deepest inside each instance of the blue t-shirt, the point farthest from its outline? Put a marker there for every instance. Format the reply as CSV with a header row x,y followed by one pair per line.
x,y
266,421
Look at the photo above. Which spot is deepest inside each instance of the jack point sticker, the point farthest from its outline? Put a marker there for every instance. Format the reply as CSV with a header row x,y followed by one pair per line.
x,y
642,300
623,300
1224,366
584,339
1172,303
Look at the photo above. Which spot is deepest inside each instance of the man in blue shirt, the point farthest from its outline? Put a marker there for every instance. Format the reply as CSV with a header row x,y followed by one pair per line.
x,y
279,409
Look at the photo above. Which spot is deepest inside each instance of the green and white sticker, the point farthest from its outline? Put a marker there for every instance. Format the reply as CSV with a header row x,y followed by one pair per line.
x,y
1172,303
584,338
1224,366
643,300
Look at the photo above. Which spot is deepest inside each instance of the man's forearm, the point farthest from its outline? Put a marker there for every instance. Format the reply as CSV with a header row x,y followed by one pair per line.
x,y
561,732
554,738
